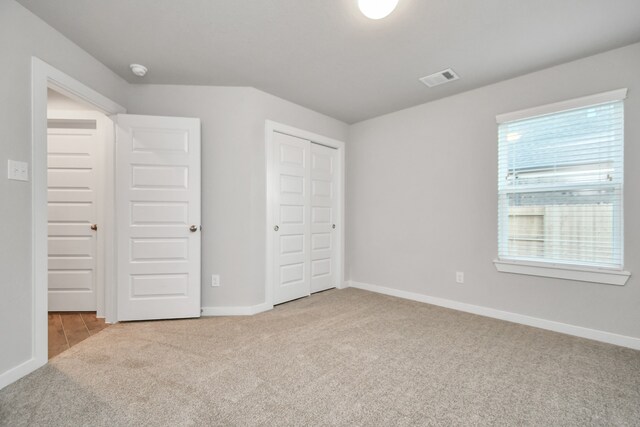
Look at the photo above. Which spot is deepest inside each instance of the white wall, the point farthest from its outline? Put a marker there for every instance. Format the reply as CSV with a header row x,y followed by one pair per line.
x,y
58,102
233,176
421,198
22,35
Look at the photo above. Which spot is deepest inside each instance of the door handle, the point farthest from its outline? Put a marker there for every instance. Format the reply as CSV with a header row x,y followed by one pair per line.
x,y
276,228
333,226
193,228
94,227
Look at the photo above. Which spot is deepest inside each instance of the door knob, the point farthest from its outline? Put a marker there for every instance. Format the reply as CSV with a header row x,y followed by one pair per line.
x,y
94,227
333,226
276,228
193,228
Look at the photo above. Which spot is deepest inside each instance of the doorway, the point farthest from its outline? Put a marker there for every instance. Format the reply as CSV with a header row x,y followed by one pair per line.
x,y
45,77
77,153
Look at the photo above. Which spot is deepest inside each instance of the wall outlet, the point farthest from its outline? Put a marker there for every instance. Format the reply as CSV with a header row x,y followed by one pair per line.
x,y
18,171
215,280
459,277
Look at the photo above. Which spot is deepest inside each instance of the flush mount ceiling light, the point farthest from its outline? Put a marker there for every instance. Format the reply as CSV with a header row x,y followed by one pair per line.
x,y
138,70
377,9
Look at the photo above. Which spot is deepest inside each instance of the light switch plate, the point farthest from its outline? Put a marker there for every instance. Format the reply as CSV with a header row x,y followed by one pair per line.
x,y
18,171
215,280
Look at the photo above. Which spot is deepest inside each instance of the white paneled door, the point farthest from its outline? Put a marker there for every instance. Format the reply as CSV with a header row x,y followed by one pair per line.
x,y
72,197
292,227
305,200
158,217
324,203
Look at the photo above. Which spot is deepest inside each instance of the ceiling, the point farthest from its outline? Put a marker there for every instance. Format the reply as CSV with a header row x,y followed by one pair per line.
x,y
324,55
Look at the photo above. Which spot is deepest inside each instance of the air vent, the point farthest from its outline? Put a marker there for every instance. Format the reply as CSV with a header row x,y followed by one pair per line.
x,y
441,77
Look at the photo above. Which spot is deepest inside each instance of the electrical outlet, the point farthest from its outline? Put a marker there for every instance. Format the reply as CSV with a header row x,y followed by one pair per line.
x,y
18,171
215,280
459,277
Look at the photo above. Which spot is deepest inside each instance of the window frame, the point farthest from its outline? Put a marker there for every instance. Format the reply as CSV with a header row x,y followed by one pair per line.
x,y
612,276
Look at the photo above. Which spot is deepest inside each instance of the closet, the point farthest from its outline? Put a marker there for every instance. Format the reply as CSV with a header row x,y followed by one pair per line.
x,y
305,200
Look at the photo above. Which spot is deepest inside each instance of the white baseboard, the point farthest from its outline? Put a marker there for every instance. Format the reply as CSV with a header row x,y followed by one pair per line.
x,y
14,374
578,331
245,310
343,285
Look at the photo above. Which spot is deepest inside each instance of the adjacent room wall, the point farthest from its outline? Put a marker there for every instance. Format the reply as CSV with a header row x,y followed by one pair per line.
x,y
422,202
23,35
58,102
233,176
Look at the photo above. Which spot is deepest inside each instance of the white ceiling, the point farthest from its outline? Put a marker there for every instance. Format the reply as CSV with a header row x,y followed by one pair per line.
x,y
323,54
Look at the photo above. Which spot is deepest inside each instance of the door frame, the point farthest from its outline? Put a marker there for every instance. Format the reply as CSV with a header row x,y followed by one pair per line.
x,y
270,128
44,76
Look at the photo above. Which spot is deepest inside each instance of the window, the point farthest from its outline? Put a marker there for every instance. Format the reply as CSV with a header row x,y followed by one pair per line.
x,y
560,179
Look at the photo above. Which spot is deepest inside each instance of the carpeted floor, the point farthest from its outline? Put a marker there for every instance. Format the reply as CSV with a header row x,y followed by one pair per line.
x,y
345,357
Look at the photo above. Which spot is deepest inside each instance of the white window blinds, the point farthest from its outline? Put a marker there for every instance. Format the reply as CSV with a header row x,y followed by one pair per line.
x,y
560,178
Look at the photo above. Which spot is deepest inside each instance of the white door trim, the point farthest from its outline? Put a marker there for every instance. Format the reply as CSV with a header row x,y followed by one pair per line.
x,y
270,127
44,76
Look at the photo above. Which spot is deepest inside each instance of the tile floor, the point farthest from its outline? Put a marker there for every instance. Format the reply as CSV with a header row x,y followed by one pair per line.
x,y
67,329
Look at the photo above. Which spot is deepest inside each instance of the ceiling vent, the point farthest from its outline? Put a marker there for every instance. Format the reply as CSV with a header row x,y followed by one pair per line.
x,y
441,77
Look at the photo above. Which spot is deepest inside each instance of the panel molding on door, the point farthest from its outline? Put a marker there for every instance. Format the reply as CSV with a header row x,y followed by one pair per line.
x,y
72,198
158,201
305,217
292,228
324,209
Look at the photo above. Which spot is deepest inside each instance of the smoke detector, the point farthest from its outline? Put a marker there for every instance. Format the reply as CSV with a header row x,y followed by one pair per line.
x,y
138,70
441,77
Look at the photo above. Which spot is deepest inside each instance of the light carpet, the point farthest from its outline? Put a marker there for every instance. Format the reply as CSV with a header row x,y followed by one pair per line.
x,y
341,357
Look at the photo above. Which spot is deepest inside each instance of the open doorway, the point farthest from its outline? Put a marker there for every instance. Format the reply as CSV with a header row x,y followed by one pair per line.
x,y
44,76
162,162
77,154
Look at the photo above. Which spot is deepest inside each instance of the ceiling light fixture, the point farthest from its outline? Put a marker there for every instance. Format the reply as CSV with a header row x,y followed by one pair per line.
x,y
138,70
377,9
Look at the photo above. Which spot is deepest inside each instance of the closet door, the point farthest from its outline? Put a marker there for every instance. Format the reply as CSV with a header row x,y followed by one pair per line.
x,y
291,173
72,188
324,204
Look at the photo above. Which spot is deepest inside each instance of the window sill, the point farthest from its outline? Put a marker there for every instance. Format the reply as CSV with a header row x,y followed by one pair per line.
x,y
559,271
